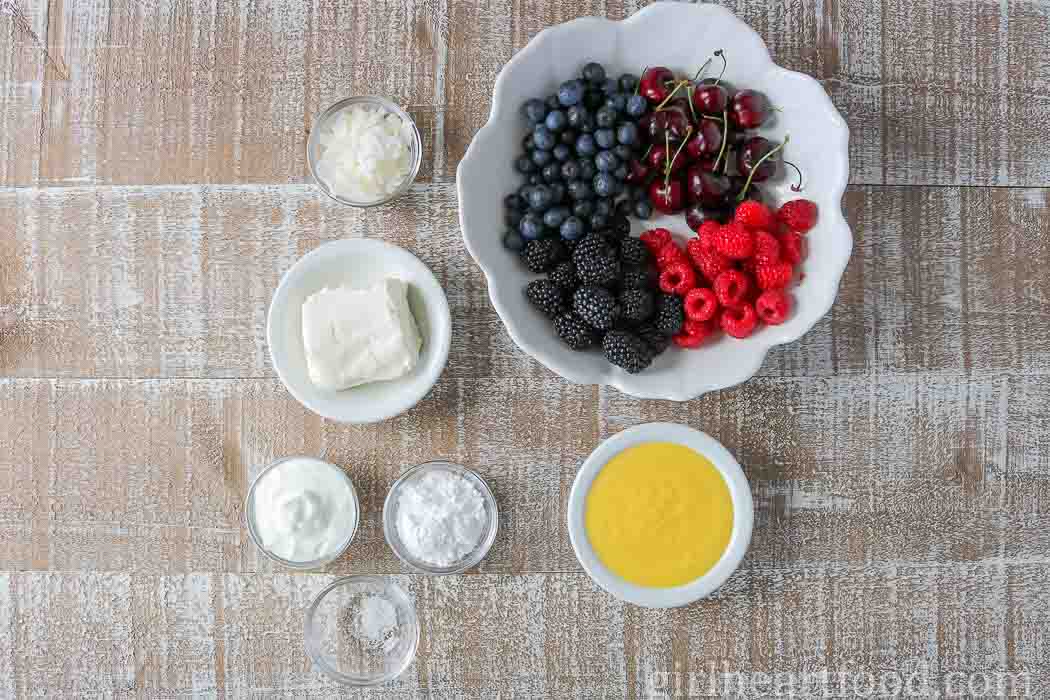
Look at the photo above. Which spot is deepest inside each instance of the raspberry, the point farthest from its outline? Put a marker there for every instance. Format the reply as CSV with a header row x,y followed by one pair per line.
x,y
792,246
669,254
707,232
798,215
739,321
775,276
694,333
767,248
701,304
732,287
734,241
754,215
772,306
655,239
711,264
677,278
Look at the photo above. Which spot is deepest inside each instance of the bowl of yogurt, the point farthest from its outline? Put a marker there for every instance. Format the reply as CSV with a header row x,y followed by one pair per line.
x,y
302,512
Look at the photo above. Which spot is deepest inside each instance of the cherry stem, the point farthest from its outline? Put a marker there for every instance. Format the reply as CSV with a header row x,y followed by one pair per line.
x,y
798,187
647,151
711,117
725,64
667,163
689,96
639,85
725,137
756,166
667,99
699,72
670,163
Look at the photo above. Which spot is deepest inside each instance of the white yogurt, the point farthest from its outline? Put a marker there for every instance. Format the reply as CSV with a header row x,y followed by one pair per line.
x,y
303,510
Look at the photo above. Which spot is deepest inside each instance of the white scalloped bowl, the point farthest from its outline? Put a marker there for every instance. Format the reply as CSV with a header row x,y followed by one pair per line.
x,y
680,36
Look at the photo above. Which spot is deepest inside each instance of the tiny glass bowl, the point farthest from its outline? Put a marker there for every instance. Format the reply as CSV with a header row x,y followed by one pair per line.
x,y
337,635
313,147
390,509
249,518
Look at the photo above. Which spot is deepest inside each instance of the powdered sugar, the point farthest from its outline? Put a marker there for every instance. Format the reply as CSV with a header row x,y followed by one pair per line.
x,y
377,622
441,518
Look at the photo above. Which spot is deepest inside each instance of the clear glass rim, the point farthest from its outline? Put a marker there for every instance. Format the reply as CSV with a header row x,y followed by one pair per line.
x,y
313,145
390,527
314,652
298,565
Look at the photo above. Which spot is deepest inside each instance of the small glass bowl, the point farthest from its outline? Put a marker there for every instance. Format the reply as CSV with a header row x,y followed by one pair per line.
x,y
334,640
249,519
390,508
313,147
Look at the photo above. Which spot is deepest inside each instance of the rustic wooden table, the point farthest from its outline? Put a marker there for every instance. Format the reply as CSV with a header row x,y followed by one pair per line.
x,y
154,190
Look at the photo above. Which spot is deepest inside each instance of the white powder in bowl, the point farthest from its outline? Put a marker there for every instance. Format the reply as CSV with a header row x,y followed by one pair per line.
x,y
366,153
440,518
377,622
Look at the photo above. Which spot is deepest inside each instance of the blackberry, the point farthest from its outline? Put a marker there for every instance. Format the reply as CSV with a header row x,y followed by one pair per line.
x,y
595,305
575,332
636,278
633,252
636,305
670,315
546,296
657,341
627,351
564,275
596,261
543,254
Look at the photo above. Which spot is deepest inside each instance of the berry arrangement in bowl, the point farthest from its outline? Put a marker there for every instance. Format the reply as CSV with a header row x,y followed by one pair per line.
x,y
603,149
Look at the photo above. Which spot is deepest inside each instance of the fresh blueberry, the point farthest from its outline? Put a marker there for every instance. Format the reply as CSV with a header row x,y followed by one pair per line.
x,y
619,223
622,152
543,137
551,172
553,217
640,194
621,173
577,115
605,138
588,126
570,170
534,110
605,118
606,161
562,153
617,102
535,179
531,226
642,209
540,198
594,99
527,144
603,207
605,185
609,86
588,169
627,133
583,209
556,120
570,93
541,158
599,221
628,82
594,72
579,189
512,240
523,192
558,192
636,106
525,165
513,201
552,102
585,145
568,137
571,228
512,217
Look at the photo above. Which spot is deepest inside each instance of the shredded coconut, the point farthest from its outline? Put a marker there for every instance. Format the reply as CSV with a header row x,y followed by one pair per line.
x,y
366,153
440,518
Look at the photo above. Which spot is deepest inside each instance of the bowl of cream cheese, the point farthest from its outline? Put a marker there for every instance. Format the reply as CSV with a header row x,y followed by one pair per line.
x,y
359,330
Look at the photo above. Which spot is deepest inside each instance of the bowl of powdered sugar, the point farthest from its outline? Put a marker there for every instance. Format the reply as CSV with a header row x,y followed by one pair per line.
x,y
440,518
362,630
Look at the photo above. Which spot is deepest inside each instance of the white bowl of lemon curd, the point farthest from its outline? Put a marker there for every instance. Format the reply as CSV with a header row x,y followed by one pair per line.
x,y
660,515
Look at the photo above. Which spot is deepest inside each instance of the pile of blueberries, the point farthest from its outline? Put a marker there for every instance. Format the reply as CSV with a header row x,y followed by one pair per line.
x,y
575,160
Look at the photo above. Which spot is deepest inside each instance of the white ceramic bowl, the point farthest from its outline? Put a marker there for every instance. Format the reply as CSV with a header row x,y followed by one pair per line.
x,y
358,262
680,36
739,491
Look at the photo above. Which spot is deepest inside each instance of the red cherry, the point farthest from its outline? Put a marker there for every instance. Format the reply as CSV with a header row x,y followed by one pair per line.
x,y
706,141
637,171
749,109
710,99
753,150
659,156
666,195
695,216
706,189
656,84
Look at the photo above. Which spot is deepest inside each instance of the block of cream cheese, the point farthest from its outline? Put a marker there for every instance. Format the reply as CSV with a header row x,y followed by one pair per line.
x,y
355,336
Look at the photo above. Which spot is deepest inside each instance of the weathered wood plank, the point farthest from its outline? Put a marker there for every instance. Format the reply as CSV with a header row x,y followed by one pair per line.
x,y
145,282
948,94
